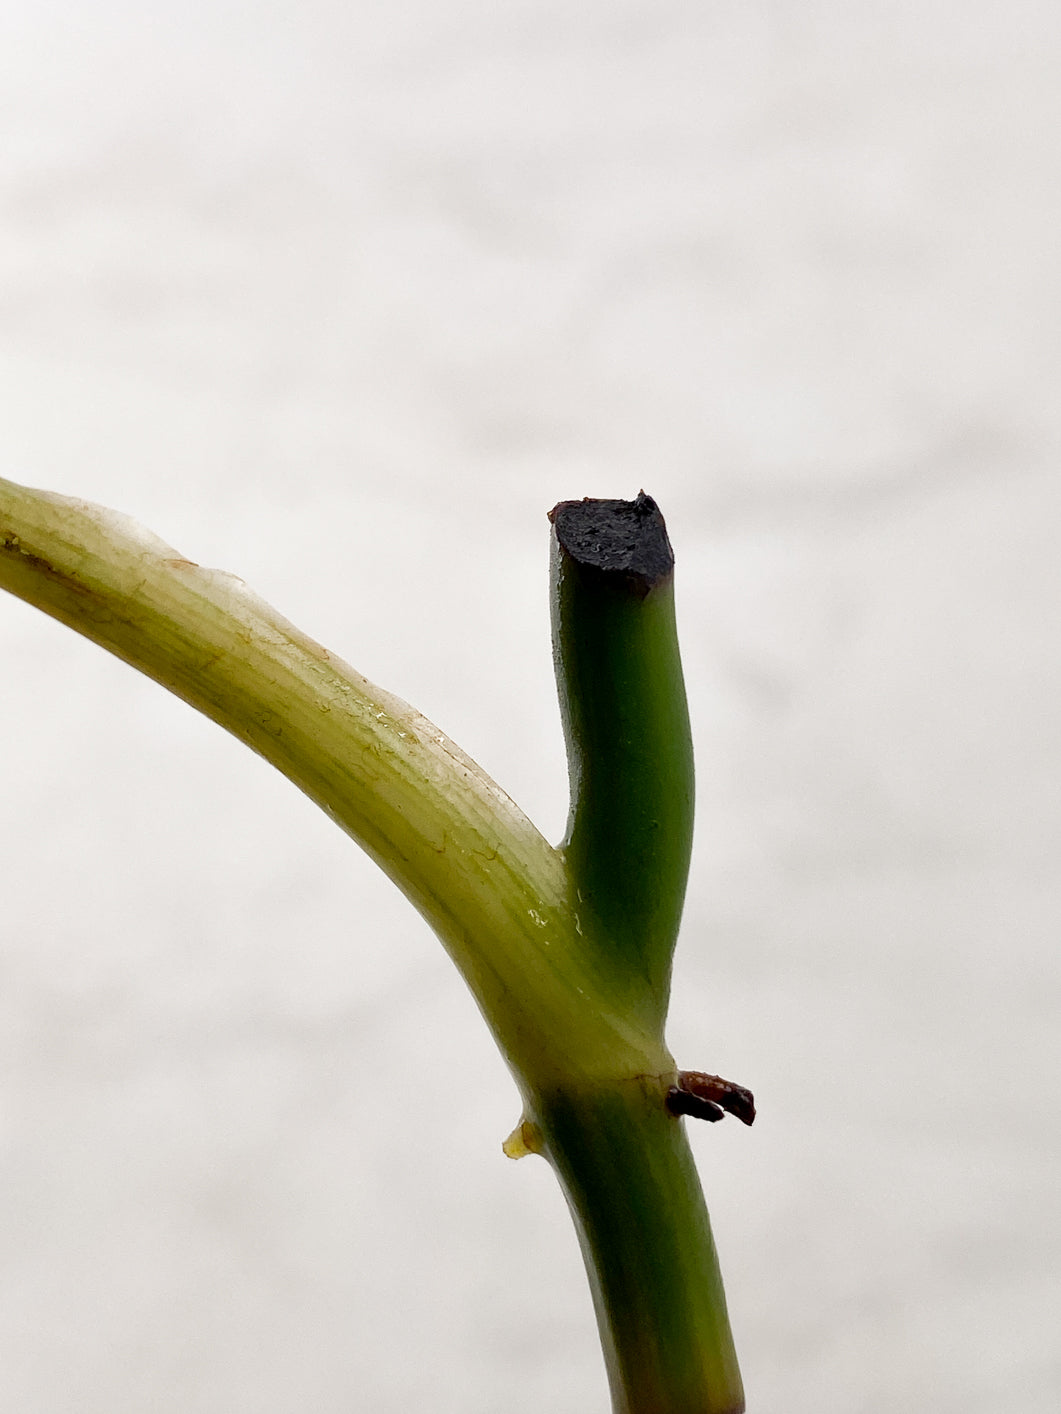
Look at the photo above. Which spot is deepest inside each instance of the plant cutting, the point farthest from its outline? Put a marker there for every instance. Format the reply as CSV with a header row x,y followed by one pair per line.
x,y
567,949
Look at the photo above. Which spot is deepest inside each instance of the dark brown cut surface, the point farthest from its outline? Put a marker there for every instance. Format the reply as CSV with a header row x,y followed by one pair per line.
x,y
626,540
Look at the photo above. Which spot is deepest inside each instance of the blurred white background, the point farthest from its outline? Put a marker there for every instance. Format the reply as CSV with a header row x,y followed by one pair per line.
x,y
343,297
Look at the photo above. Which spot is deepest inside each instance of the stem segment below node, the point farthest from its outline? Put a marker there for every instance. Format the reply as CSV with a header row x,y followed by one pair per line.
x,y
631,1184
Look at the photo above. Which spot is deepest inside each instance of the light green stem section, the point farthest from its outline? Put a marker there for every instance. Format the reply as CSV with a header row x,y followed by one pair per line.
x,y
622,1160
473,864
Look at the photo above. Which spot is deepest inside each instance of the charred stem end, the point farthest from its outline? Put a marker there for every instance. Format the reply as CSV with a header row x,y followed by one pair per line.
x,y
708,1096
623,541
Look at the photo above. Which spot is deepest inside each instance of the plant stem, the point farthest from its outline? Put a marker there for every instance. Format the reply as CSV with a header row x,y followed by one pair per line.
x,y
473,864
621,1157
635,1197
567,951
629,745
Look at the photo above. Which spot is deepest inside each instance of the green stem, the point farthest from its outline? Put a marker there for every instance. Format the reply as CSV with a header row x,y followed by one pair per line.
x,y
566,951
632,1187
473,864
622,1159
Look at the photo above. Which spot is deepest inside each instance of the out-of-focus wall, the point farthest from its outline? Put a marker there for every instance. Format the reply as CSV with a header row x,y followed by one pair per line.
x,y
343,298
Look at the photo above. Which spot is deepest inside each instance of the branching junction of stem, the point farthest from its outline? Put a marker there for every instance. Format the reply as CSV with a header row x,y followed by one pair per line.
x,y
568,950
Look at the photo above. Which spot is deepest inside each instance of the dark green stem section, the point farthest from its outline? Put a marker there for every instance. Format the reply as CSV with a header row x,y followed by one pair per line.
x,y
631,1184
568,951
622,699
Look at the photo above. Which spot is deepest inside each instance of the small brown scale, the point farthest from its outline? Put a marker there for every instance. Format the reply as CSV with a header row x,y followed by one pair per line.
x,y
710,1097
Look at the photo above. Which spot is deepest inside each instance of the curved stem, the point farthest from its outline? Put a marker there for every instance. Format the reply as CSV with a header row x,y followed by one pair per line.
x,y
488,883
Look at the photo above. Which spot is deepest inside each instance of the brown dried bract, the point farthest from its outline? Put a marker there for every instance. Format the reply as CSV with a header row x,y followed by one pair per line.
x,y
707,1096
